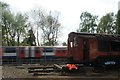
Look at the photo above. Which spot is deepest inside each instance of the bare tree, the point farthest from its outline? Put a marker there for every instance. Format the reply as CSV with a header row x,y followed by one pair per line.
x,y
50,29
36,16
49,26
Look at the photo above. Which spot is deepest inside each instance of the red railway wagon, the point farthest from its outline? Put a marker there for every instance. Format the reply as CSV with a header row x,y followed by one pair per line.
x,y
94,49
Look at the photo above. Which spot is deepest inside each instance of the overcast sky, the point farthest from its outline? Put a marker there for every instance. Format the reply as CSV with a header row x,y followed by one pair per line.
x,y
70,10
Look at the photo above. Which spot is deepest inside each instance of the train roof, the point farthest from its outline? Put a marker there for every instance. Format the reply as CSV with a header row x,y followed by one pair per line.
x,y
93,34
73,35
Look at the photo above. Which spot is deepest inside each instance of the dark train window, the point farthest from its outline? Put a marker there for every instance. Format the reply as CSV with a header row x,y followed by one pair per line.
x,y
115,45
60,50
47,49
103,45
76,41
10,50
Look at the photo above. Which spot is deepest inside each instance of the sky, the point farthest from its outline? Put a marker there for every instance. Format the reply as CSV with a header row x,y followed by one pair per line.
x,y
70,10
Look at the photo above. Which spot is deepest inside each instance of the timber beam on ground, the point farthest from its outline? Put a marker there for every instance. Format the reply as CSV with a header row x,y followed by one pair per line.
x,y
40,67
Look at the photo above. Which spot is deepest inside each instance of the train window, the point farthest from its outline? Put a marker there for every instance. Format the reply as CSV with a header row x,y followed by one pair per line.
x,y
76,41
10,50
115,45
103,45
71,44
61,51
47,49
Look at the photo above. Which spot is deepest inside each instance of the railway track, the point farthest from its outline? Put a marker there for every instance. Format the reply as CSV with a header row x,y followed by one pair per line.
x,y
43,70
57,70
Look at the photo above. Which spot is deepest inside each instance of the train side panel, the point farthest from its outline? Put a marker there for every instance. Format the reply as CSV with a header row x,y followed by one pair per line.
x,y
21,52
38,52
93,49
60,52
78,49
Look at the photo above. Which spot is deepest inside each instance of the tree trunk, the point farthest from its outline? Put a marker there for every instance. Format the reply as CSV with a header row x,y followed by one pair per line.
x,y
38,39
18,40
